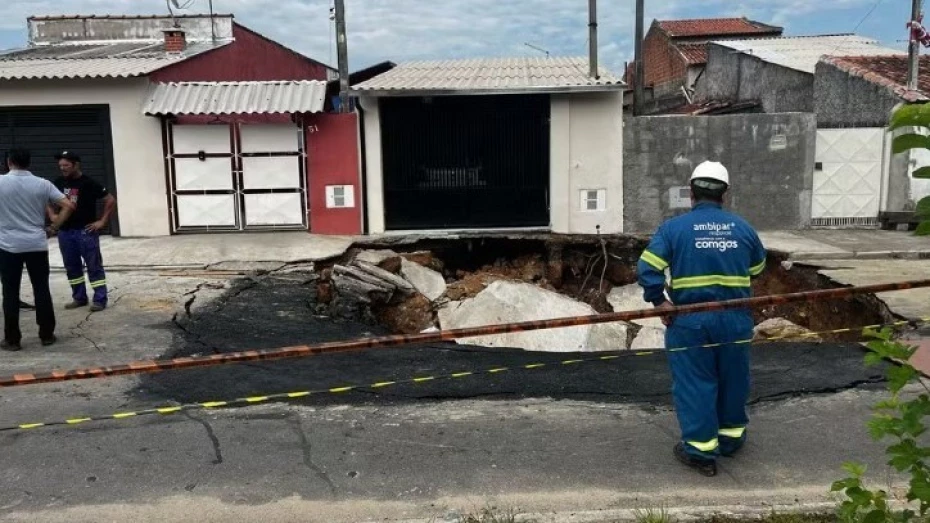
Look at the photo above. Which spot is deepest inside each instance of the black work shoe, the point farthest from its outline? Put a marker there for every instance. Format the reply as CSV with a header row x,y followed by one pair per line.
x,y
10,346
704,466
49,341
731,453
26,306
75,305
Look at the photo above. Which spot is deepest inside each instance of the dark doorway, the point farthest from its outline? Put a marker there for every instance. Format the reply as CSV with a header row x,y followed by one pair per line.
x,y
49,130
465,161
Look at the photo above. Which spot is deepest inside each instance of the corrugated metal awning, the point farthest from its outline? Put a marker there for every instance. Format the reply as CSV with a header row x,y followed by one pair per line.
x,y
101,68
212,98
93,60
802,53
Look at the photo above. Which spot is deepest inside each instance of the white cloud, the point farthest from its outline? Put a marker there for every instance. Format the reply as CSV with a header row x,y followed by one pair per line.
x,y
419,29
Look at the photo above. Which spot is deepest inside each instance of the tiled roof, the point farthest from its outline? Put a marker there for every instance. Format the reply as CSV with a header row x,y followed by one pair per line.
x,y
485,76
93,59
236,97
695,54
716,27
802,53
887,71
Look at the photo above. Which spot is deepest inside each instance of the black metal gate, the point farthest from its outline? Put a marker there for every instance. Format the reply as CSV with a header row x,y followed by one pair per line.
x,y
465,161
46,131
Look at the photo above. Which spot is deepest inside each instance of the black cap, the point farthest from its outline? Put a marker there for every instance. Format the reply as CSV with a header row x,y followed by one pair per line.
x,y
68,155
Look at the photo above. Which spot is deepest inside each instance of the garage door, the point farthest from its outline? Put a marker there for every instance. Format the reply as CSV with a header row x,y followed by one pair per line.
x,y
465,162
237,177
46,131
848,176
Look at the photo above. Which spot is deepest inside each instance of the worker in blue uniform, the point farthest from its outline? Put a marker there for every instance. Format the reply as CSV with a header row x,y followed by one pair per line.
x,y
710,255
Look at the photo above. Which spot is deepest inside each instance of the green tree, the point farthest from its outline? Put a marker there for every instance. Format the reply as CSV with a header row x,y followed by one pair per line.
x,y
915,117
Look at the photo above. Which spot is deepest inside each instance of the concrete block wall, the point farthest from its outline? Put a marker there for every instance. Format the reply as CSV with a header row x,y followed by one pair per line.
x,y
740,77
770,158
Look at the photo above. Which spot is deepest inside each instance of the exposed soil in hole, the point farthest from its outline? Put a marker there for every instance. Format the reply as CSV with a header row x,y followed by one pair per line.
x,y
585,269
818,316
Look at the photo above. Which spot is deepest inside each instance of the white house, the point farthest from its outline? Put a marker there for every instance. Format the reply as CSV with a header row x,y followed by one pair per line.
x,y
522,143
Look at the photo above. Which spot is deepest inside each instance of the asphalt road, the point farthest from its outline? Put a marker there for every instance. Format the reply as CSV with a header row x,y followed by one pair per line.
x,y
561,438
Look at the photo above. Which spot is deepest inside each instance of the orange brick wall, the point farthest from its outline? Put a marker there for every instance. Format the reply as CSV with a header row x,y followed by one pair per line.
x,y
662,61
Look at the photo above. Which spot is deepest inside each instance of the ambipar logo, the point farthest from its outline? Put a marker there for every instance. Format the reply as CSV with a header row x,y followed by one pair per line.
x,y
719,245
714,227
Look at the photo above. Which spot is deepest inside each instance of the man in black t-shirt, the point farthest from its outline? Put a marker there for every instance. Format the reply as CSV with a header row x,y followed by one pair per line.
x,y
79,236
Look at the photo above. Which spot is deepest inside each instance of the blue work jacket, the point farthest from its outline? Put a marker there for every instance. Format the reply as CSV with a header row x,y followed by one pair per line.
x,y
712,255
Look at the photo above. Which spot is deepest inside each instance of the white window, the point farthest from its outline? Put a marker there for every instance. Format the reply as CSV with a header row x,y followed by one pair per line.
x,y
593,200
340,196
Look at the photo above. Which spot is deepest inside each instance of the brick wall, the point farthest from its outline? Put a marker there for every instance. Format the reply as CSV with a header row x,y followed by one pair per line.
x,y
175,41
662,62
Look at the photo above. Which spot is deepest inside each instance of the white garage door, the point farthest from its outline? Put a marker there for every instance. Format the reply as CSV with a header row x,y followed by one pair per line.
x,y
237,177
848,176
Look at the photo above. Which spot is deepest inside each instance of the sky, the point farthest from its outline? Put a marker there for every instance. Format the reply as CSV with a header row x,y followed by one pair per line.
x,y
403,30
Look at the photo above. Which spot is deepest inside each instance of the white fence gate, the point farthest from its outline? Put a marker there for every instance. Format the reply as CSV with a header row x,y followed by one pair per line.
x,y
849,177
237,177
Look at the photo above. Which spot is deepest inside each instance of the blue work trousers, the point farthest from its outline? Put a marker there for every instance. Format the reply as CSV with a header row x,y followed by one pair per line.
x,y
80,248
710,385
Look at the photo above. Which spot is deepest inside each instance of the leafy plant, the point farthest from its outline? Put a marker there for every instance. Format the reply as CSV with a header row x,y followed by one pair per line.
x,y
915,117
901,421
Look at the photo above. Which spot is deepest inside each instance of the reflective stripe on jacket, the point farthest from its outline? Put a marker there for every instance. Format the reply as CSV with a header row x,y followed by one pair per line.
x,y
711,254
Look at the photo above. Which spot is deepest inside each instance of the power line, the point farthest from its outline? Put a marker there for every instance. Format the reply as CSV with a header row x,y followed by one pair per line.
x,y
862,21
867,15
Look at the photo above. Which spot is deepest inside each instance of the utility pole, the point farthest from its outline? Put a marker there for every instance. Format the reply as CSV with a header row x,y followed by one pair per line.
x,y
914,49
592,38
342,54
212,22
639,90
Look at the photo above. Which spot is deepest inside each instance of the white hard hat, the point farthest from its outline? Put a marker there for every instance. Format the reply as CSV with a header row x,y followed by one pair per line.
x,y
711,171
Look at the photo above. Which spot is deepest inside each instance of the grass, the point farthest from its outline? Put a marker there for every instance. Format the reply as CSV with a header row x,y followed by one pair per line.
x,y
780,518
662,516
650,515
490,515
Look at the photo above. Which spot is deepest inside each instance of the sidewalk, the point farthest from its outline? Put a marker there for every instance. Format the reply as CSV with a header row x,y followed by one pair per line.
x,y
226,251
220,251
823,244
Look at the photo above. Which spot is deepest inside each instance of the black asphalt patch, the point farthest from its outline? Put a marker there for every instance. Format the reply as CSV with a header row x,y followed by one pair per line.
x,y
275,312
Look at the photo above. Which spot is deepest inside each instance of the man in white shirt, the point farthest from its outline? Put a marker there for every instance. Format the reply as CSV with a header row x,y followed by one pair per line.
x,y
24,242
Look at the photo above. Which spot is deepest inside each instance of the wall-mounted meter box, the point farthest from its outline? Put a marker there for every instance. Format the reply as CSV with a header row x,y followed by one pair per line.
x,y
679,197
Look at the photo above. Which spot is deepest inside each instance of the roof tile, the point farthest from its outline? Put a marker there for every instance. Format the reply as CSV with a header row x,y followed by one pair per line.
x,y
496,74
695,54
889,72
716,27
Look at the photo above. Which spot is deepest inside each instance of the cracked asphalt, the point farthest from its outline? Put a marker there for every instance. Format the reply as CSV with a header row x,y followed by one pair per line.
x,y
589,438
